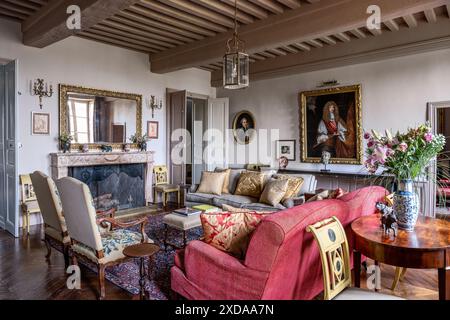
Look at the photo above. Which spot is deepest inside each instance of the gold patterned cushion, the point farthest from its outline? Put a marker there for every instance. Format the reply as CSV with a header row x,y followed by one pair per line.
x,y
274,192
226,182
229,232
211,182
294,185
250,184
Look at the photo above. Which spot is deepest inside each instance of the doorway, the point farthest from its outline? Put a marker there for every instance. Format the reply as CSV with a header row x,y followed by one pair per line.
x,y
439,187
9,208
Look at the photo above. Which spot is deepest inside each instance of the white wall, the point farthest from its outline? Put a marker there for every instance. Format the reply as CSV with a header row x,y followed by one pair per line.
x,y
394,95
81,62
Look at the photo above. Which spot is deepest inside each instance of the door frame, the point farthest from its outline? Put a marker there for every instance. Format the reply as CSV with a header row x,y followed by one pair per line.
x,y
430,205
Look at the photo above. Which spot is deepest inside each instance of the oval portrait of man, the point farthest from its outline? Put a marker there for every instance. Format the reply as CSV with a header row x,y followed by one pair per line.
x,y
244,127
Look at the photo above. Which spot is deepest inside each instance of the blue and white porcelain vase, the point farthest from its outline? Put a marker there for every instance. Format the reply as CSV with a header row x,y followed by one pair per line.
x,y
406,205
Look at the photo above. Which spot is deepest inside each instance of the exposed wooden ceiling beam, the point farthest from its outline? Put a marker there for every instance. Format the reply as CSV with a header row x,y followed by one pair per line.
x,y
225,9
48,25
343,37
410,20
25,4
358,33
200,11
293,4
293,26
430,15
448,10
16,8
250,8
406,41
328,40
269,5
302,46
392,25
181,15
114,42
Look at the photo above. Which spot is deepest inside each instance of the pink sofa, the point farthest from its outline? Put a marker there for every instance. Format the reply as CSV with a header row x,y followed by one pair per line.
x,y
282,261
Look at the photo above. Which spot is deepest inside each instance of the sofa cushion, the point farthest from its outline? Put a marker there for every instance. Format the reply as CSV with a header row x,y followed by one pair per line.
x,y
200,197
229,232
250,184
294,185
274,191
234,179
263,207
212,182
232,200
226,182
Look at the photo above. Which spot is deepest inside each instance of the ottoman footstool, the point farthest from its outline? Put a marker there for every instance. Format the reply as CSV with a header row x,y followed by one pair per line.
x,y
181,223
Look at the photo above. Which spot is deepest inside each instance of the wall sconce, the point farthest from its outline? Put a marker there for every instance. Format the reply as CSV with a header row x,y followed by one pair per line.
x,y
41,90
153,104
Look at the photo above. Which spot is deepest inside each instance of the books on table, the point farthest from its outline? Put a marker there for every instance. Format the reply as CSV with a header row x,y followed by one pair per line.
x,y
205,208
187,211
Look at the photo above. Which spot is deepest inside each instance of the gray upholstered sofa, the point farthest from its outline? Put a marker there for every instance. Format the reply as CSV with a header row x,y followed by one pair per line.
x,y
194,198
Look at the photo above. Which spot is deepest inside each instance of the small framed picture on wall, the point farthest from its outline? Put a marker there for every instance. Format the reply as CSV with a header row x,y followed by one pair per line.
x,y
40,124
153,129
286,148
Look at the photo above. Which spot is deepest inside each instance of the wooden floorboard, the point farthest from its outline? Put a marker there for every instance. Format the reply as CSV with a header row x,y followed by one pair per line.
x,y
25,274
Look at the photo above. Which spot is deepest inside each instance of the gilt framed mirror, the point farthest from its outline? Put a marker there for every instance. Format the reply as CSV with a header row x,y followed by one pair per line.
x,y
99,117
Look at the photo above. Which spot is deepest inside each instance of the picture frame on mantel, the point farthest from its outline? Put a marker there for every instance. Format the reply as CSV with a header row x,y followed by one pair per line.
x,y
331,120
153,129
40,123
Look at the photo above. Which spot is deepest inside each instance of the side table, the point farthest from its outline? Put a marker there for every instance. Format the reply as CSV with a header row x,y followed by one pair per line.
x,y
142,251
427,247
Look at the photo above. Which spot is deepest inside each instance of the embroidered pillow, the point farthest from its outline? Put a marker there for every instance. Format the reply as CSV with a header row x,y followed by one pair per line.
x,y
211,182
294,185
229,232
274,192
250,184
226,182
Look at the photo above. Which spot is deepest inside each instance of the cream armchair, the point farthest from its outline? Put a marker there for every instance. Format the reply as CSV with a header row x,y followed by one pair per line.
x,y
103,247
51,210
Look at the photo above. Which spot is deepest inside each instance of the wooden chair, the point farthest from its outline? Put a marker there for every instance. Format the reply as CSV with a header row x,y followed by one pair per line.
x,y
29,203
163,186
89,239
334,253
54,223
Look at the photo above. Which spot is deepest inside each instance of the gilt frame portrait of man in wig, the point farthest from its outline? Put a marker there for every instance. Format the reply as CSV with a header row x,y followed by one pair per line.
x,y
244,127
331,121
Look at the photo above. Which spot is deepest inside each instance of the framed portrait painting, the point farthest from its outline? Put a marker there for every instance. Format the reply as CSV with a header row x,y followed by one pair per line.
x,y
153,129
286,148
331,121
244,127
40,123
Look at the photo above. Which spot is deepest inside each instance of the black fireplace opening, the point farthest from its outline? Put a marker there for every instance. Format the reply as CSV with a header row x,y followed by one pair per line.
x,y
121,186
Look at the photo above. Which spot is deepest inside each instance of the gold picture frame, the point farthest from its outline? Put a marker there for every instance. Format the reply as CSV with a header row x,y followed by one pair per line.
x,y
64,89
321,131
241,135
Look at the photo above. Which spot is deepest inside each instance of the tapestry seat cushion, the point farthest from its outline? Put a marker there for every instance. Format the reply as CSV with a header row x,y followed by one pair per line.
x,y
200,197
113,243
233,200
229,232
165,187
56,234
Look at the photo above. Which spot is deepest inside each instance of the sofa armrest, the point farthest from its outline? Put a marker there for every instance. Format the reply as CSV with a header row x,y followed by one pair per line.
x,y
216,271
193,188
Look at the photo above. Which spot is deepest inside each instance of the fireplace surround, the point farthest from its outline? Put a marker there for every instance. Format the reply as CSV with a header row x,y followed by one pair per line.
x,y
63,163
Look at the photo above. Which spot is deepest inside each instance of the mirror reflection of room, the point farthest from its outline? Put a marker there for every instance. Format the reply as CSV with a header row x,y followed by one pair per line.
x,y
443,165
96,119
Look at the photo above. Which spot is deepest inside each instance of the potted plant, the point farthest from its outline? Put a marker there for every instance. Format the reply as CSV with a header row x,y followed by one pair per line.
x,y
65,140
141,141
406,156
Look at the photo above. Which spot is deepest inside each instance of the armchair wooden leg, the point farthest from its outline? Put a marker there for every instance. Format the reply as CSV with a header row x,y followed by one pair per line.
x,y
28,223
66,255
74,259
101,281
179,198
155,197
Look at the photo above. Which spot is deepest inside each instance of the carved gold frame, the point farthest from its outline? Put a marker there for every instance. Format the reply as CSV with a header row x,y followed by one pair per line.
x,y
64,89
358,119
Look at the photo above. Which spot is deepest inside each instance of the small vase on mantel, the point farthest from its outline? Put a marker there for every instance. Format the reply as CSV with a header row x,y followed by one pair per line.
x,y
406,205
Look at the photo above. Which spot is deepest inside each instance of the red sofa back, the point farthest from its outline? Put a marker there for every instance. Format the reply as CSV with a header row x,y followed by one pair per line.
x,y
281,246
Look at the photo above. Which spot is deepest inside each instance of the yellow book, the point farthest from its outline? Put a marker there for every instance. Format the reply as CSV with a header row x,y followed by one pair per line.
x,y
206,208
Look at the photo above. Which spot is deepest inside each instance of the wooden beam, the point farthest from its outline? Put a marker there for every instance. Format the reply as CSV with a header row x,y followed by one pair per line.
x,y
328,40
248,7
226,10
392,25
315,43
448,10
430,14
181,15
293,26
293,4
25,4
48,25
302,46
406,41
269,5
358,33
343,37
410,20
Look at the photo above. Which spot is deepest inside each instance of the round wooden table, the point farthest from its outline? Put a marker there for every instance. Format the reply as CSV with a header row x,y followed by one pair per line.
x,y
142,251
427,247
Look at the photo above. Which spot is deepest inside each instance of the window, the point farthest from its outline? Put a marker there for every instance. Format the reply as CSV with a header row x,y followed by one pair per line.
x,y
81,120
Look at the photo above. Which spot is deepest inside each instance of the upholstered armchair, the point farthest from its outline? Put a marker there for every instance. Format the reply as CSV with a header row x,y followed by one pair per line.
x,y
50,206
91,239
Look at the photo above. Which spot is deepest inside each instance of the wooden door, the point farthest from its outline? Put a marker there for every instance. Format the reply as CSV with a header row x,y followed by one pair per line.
x,y
177,137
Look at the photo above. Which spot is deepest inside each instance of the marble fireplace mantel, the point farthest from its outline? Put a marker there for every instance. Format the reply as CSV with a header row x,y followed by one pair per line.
x,y
61,162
